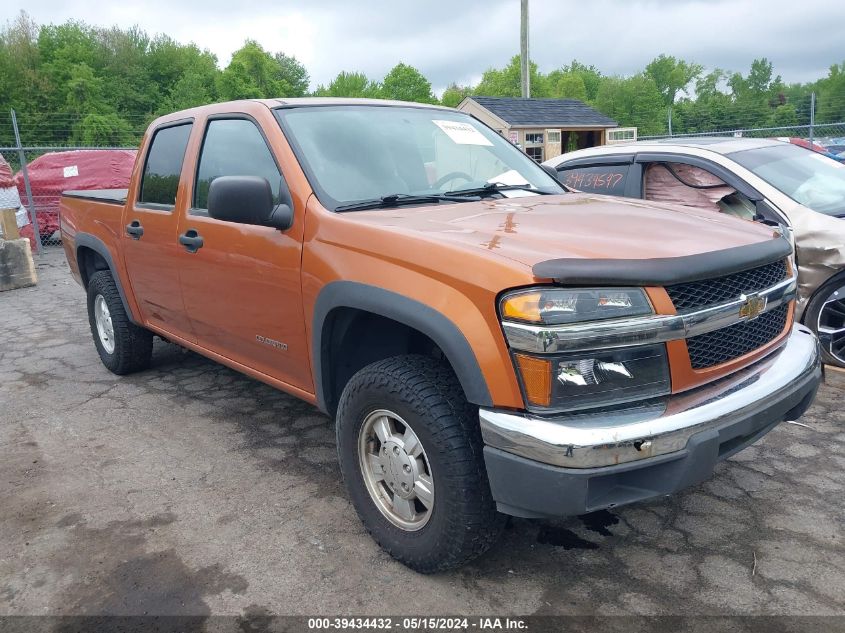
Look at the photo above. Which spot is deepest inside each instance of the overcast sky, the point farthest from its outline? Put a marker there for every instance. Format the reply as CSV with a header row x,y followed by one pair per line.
x,y
456,40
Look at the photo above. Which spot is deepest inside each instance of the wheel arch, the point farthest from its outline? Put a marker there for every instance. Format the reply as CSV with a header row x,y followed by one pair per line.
x,y
398,321
836,278
93,255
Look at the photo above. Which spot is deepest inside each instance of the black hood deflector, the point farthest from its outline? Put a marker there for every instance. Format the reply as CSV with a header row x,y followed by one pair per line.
x,y
662,271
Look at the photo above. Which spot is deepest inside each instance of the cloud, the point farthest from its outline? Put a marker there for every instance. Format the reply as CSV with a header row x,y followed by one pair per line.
x,y
456,41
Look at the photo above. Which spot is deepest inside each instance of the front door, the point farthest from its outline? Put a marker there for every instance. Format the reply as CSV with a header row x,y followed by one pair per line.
x,y
150,250
242,285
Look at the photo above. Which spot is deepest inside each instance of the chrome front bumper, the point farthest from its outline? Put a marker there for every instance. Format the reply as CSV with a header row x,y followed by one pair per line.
x,y
762,393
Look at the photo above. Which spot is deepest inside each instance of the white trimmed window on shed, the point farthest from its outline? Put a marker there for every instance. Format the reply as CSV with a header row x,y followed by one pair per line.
x,y
533,138
621,135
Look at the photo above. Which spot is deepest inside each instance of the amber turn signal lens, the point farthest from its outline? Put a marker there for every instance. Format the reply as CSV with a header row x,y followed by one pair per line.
x,y
537,378
525,307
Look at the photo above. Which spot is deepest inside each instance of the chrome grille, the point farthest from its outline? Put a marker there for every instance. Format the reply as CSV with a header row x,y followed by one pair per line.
x,y
721,346
698,294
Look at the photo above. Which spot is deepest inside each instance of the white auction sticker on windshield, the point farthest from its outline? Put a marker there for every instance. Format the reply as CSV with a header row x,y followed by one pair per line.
x,y
462,133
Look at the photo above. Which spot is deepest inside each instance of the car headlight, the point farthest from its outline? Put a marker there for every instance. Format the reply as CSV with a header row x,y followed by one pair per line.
x,y
557,306
594,379
554,382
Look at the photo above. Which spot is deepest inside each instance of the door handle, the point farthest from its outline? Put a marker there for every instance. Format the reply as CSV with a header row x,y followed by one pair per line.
x,y
191,240
135,230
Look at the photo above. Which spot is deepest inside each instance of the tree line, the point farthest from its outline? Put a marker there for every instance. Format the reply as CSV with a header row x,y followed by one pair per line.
x,y
74,83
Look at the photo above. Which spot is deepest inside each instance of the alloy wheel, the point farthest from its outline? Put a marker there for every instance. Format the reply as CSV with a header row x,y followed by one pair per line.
x,y
396,470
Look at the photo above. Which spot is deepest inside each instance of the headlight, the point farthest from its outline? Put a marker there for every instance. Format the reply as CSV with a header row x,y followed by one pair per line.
x,y
558,306
594,378
591,379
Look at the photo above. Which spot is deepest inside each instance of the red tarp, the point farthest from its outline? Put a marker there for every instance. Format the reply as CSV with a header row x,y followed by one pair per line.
x,y
53,173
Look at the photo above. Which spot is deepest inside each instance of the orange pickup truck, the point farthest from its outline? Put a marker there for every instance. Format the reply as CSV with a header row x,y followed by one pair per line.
x,y
488,343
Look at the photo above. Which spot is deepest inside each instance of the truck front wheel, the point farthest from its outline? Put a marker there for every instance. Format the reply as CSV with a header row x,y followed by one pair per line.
x,y
123,346
411,456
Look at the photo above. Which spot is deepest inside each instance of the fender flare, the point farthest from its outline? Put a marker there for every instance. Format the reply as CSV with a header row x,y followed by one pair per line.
x,y
87,240
409,312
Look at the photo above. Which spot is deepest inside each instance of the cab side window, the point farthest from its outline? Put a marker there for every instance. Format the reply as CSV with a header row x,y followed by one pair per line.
x,y
234,147
163,167
606,179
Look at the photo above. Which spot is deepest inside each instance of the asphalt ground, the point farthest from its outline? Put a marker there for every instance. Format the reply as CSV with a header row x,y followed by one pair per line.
x,y
191,489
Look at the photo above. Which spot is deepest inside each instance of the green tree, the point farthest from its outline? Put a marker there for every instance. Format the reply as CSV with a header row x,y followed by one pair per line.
x,y
254,73
292,72
103,130
84,90
454,94
185,75
754,95
190,90
123,66
349,84
507,81
672,76
831,95
22,84
783,115
634,101
589,75
568,85
406,83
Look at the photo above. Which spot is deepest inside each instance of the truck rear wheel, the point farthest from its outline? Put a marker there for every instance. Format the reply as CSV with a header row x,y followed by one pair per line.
x,y
411,456
123,346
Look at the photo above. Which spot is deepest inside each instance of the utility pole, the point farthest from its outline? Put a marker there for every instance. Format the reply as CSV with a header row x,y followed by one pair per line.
x,y
812,115
525,60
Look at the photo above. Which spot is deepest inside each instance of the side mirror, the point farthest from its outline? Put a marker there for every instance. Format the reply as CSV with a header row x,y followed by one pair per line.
x,y
247,200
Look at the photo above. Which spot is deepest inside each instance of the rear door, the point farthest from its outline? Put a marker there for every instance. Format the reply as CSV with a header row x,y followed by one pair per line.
x,y
150,250
242,285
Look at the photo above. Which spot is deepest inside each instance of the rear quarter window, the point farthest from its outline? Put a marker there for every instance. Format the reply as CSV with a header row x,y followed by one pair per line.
x,y
605,179
163,165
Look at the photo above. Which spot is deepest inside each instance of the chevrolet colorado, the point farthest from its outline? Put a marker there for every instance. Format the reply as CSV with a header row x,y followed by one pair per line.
x,y
488,343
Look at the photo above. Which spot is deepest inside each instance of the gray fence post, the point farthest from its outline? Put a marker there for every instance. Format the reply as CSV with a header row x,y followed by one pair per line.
x,y
31,201
812,115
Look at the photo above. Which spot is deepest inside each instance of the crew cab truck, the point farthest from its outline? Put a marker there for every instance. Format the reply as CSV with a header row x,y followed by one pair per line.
x,y
487,342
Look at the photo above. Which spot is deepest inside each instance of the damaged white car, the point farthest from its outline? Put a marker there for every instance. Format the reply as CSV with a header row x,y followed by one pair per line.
x,y
763,180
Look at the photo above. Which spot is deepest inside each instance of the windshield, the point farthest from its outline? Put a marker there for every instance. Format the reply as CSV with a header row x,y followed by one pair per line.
x,y
809,178
355,153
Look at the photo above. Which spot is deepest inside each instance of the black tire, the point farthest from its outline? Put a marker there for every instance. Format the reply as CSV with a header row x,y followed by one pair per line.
x,y
425,392
133,345
814,308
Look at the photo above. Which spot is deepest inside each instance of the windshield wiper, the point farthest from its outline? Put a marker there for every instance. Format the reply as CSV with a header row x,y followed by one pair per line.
x,y
400,199
494,187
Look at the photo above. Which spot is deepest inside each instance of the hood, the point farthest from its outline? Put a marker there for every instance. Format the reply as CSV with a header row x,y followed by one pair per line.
x,y
533,229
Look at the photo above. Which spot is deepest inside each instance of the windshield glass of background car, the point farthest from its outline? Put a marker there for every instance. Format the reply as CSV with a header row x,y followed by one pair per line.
x,y
807,177
354,153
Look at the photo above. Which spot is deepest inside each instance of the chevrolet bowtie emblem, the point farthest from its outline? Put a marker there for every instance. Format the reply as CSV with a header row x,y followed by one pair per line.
x,y
752,306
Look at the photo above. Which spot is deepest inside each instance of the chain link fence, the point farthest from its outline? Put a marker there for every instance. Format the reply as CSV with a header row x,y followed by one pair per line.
x,y
43,168
825,134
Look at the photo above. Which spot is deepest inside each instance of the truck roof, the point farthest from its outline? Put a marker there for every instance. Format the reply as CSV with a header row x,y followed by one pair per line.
x,y
285,102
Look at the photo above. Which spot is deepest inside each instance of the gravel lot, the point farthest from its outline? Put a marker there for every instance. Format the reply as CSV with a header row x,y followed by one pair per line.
x,y
191,489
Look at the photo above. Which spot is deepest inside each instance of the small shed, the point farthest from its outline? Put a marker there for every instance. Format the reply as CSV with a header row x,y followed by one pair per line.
x,y
544,128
